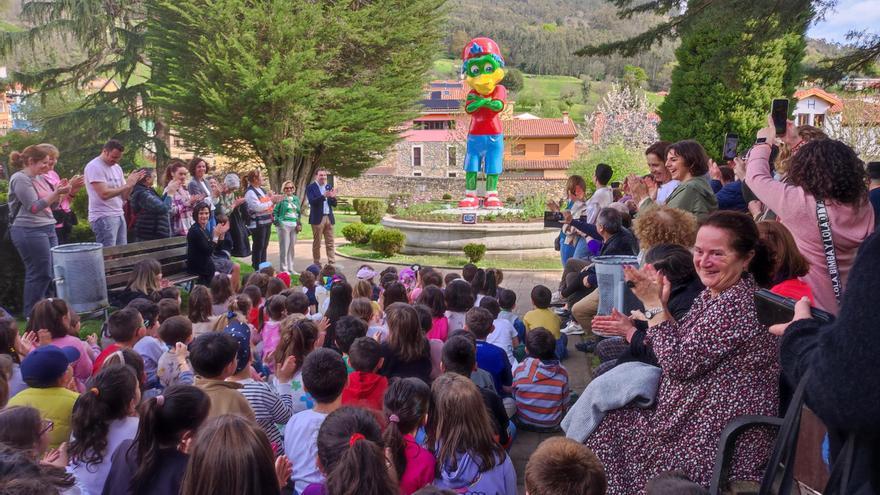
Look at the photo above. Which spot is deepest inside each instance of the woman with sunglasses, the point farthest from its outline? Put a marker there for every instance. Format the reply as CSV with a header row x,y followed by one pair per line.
x,y
286,214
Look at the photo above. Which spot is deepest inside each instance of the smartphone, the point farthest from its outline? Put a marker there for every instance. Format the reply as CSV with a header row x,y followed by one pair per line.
x,y
779,112
416,267
731,141
773,309
615,185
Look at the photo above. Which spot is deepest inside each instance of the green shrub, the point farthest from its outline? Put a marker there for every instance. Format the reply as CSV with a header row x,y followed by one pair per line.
x,y
474,251
398,201
447,196
372,211
623,160
510,200
4,190
387,242
82,232
356,204
80,206
356,233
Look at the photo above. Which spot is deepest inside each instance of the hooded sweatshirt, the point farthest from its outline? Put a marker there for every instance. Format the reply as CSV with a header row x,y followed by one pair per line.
x,y
540,389
467,479
365,390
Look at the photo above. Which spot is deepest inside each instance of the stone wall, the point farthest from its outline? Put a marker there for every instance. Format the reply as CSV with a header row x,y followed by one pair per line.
x,y
382,186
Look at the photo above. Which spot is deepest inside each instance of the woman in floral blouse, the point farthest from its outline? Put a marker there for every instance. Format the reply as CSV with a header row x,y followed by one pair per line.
x,y
182,201
718,363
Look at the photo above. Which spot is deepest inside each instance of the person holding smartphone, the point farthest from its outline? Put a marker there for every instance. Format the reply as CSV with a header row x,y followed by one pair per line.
x,y
322,200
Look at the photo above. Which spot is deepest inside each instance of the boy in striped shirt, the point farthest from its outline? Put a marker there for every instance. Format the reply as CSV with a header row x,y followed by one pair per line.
x,y
540,383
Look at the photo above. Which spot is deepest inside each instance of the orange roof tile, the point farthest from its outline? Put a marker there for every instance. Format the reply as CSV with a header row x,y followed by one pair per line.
x,y
819,93
537,164
534,128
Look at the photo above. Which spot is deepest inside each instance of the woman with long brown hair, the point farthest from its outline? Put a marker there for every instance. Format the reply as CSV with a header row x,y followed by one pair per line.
x,y
200,186
406,351
182,201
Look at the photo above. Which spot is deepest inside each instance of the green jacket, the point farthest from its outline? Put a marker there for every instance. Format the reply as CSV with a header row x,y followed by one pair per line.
x,y
694,196
287,211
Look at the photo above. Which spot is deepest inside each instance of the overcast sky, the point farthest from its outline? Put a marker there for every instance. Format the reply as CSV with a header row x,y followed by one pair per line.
x,y
848,15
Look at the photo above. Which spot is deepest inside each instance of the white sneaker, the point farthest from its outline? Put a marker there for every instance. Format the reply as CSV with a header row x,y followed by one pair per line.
x,y
557,298
573,329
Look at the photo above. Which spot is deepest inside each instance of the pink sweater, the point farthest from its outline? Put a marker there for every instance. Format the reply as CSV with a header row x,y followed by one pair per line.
x,y
796,209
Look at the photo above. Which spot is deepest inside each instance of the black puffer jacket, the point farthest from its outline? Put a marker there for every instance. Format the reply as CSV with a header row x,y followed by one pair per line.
x,y
151,214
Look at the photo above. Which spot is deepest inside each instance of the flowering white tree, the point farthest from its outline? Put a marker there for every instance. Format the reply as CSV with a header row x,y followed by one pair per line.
x,y
858,125
624,116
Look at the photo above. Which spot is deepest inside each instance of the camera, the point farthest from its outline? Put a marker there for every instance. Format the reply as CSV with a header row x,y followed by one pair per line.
x,y
553,219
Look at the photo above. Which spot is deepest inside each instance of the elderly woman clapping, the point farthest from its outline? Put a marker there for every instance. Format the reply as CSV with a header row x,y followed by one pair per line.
x,y
718,362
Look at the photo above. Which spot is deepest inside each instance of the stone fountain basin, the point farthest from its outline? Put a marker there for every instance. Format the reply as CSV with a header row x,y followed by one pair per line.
x,y
502,240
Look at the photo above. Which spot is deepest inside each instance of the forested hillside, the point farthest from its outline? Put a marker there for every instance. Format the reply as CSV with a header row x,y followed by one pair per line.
x,y
540,37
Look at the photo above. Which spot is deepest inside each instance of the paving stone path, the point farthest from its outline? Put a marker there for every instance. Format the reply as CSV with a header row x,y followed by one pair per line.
x,y
520,282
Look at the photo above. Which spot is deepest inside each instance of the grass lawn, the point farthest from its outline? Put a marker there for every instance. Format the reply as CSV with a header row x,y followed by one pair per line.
x,y
449,261
341,221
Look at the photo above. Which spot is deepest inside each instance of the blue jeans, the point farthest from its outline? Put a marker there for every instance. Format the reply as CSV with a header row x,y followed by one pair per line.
x,y
34,245
110,231
562,346
580,249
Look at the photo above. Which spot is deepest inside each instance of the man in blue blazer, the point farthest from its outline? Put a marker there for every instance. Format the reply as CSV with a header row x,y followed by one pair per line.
x,y
322,200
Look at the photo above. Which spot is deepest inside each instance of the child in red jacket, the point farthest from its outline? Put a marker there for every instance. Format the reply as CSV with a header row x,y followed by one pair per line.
x,y
366,387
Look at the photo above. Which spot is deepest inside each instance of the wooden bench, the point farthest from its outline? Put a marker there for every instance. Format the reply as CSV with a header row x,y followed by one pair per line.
x,y
170,253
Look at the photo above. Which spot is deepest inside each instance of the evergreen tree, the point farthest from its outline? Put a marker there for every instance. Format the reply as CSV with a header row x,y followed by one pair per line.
x,y
703,106
293,84
513,80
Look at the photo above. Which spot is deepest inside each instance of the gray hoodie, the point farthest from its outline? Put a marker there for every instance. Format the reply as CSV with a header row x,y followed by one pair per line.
x,y
467,478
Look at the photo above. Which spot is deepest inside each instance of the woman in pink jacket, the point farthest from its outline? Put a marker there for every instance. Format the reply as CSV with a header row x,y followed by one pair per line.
x,y
821,172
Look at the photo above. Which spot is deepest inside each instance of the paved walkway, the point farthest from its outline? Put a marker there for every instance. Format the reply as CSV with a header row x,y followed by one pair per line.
x,y
520,282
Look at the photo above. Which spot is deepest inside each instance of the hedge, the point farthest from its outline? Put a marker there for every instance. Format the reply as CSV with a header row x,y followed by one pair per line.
x,y
387,242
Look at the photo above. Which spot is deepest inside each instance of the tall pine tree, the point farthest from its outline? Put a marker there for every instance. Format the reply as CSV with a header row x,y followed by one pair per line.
x,y
705,102
294,84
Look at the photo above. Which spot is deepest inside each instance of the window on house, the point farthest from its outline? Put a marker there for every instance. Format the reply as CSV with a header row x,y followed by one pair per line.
x,y
518,150
178,143
417,156
452,175
551,150
803,119
417,174
811,103
451,159
819,119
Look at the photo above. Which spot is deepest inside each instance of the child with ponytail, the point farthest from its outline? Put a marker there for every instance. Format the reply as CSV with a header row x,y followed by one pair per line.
x,y
351,456
153,462
461,434
406,410
299,337
103,417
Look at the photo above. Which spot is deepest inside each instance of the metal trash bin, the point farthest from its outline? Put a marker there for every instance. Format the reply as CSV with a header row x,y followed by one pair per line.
x,y
79,275
609,274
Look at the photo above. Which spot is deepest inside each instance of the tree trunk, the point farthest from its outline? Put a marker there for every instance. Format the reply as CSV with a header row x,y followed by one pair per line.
x,y
300,169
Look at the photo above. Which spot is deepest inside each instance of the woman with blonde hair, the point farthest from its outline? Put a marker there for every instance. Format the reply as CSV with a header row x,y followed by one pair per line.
x,y
145,282
63,213
287,213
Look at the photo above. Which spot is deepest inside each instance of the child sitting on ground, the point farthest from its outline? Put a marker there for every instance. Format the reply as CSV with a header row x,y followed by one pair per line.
x,y
460,356
126,327
490,357
47,372
348,328
310,288
432,297
503,335
406,410
460,432
173,366
507,301
167,308
366,387
540,383
171,292
276,310
543,317
324,378
214,358
150,347
561,465
299,337
459,299
364,309
271,403
349,448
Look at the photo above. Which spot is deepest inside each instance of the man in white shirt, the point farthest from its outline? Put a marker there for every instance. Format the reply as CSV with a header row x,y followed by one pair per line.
x,y
108,190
